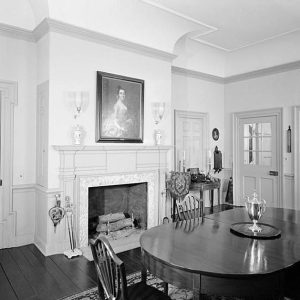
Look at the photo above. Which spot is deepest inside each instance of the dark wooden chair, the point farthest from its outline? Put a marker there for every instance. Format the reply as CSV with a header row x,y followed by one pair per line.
x,y
178,186
111,274
190,208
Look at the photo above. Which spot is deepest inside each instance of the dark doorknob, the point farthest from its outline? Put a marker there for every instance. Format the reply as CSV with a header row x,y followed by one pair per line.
x,y
273,173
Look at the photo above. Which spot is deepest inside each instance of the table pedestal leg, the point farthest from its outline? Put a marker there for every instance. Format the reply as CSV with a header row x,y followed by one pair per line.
x,y
144,270
197,287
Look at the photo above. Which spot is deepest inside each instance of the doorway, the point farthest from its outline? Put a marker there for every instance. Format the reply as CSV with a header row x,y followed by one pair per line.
x,y
190,139
258,156
8,99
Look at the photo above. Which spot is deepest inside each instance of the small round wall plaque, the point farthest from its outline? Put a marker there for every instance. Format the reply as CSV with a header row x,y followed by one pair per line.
x,y
215,134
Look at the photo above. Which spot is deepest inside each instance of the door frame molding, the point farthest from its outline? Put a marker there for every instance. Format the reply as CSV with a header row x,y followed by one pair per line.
x,y
278,113
197,115
9,98
296,155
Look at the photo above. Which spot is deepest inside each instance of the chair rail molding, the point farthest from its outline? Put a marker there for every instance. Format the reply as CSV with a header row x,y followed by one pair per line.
x,y
8,98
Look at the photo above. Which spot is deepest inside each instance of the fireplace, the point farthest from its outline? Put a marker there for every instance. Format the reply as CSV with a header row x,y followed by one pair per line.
x,y
83,168
150,179
117,211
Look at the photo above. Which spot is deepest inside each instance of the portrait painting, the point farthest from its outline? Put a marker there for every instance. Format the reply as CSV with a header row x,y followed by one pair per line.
x,y
119,109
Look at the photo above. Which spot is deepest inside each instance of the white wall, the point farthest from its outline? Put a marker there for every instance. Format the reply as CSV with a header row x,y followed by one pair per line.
x,y
264,55
18,63
195,56
193,94
73,66
277,90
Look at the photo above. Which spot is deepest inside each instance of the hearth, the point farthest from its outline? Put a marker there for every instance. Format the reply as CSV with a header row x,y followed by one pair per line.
x,y
117,211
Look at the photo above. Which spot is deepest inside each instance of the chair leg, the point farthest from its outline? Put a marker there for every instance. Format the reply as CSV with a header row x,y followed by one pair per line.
x,y
100,290
166,288
202,209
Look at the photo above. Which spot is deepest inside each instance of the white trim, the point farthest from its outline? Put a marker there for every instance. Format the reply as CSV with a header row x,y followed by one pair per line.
x,y
181,15
7,218
197,75
263,72
240,77
278,113
16,33
50,25
296,155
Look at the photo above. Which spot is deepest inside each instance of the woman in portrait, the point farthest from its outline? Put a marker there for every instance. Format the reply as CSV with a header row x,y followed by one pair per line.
x,y
118,124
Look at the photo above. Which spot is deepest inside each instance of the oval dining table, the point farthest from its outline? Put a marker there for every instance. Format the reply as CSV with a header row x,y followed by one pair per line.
x,y
203,255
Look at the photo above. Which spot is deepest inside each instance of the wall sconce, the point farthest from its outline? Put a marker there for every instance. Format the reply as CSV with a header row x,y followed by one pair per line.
x,y
79,101
78,104
289,140
158,110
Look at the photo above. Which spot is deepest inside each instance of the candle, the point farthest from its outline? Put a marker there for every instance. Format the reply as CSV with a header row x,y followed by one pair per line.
x,y
183,154
209,154
78,100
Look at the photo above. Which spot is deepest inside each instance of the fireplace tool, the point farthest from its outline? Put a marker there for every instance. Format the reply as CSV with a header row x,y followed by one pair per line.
x,y
69,216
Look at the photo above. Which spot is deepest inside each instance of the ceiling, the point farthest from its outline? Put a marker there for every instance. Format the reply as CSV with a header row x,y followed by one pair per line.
x,y
218,37
228,25
234,24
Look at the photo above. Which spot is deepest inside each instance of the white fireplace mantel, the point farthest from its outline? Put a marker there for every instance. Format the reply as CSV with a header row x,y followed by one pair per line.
x,y
111,159
82,167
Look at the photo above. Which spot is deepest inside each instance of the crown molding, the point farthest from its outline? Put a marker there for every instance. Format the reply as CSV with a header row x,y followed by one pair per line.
x,y
197,75
16,33
263,72
240,77
50,25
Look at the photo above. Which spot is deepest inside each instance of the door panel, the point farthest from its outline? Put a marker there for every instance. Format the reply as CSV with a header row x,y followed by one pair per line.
x,y
190,139
258,156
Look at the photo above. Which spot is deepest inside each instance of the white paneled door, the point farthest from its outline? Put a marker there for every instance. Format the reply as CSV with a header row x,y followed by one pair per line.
x,y
8,99
258,158
190,139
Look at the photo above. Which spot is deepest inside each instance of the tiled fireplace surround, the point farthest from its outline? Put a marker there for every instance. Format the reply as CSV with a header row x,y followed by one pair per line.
x,y
82,167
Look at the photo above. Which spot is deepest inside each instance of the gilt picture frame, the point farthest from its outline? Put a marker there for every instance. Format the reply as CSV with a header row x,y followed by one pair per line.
x,y
119,109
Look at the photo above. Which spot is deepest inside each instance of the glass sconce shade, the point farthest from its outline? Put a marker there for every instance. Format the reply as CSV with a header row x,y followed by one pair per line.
x,y
158,110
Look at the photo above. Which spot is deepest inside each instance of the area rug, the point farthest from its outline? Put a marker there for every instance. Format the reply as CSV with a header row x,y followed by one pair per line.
x,y
174,292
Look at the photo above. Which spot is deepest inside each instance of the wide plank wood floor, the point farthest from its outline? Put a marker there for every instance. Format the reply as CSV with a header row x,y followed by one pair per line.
x,y
25,273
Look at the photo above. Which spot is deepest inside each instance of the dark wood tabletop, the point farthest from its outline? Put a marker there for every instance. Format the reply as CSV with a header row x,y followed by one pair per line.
x,y
207,247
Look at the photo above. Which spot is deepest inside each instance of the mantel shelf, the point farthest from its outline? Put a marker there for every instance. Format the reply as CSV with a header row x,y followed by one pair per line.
x,y
80,148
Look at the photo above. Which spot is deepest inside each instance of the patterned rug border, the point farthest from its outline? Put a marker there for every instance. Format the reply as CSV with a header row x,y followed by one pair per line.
x,y
174,292
132,278
91,290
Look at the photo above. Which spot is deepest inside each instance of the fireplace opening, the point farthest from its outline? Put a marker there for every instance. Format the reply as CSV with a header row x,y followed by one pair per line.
x,y
117,211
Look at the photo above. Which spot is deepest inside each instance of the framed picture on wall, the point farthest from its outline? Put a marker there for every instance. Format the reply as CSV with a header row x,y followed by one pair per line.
x,y
215,134
119,109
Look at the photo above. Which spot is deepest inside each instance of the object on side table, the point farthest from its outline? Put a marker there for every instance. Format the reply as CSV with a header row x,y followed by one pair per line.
x,y
56,213
217,160
289,140
69,215
194,174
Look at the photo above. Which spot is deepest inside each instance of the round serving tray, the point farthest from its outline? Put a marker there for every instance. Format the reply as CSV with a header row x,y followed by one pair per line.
x,y
267,232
